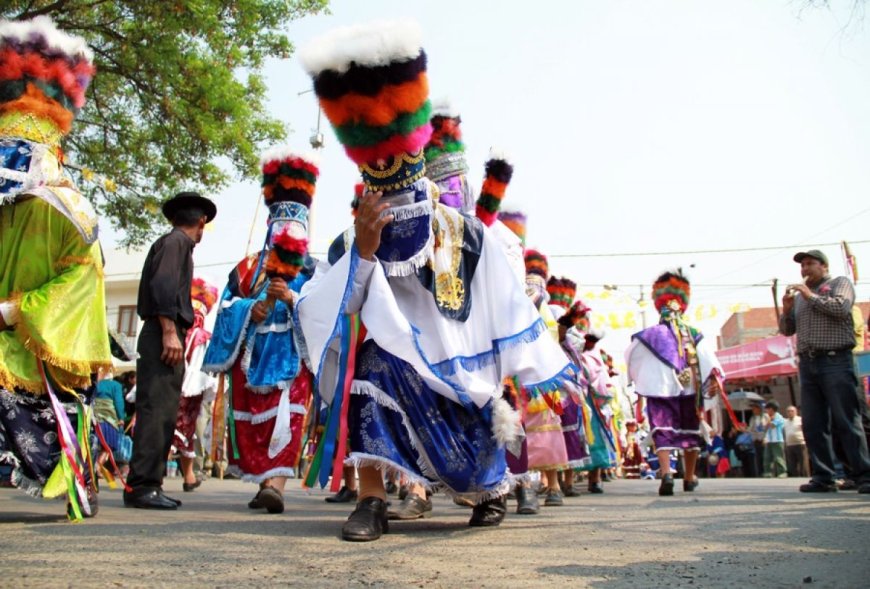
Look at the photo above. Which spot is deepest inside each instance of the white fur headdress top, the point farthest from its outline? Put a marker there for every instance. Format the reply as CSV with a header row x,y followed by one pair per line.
x,y
371,83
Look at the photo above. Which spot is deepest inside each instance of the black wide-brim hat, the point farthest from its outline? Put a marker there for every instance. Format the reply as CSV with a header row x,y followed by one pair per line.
x,y
189,200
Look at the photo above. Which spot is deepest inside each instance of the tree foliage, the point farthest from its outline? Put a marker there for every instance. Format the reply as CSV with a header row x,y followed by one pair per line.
x,y
178,99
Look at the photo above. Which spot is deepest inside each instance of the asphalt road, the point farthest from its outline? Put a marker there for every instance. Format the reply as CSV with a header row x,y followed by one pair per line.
x,y
729,533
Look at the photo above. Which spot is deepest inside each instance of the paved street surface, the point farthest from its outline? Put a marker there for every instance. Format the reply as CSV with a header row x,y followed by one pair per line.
x,y
730,533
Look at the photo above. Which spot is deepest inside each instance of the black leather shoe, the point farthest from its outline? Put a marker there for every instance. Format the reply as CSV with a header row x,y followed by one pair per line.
x,y
413,507
527,501
817,487
367,522
153,499
403,492
689,486
489,513
165,496
666,489
344,495
391,488
595,488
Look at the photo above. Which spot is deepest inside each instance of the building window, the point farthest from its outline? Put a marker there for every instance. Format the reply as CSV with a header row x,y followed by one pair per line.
x,y
127,320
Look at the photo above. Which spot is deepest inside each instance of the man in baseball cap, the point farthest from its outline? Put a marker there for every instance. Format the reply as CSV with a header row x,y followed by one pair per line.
x,y
819,311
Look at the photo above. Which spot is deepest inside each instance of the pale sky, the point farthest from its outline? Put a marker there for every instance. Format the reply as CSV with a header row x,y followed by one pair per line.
x,y
634,126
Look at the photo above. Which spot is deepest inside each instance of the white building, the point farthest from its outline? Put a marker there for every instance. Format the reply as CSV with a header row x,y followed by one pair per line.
x,y
122,272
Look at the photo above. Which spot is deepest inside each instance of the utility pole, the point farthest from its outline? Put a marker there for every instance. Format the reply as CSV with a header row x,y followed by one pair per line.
x,y
640,302
773,290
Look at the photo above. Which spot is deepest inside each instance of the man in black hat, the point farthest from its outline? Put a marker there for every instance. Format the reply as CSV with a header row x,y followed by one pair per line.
x,y
164,305
819,311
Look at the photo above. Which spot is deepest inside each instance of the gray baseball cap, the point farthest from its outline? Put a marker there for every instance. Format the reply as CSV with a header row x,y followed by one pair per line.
x,y
798,257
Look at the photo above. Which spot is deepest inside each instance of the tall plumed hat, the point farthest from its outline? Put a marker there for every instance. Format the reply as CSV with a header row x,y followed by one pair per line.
x,y
203,295
44,73
289,180
577,315
515,221
562,291
445,152
498,175
371,82
536,263
671,291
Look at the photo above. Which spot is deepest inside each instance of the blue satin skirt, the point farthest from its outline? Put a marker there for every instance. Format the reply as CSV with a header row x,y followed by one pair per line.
x,y
399,424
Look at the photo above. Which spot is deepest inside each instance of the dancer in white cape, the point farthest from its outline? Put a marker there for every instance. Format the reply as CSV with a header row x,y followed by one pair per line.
x,y
444,323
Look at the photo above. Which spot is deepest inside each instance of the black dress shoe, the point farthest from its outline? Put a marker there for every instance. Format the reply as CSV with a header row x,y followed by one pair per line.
x,y
596,488
689,486
527,501
413,507
391,488
489,513
817,487
153,499
367,522
403,492
344,495
666,489
165,496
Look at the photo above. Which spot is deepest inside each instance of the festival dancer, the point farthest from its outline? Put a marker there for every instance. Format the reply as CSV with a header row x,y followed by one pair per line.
x,y
53,334
445,322
256,344
595,444
671,364
545,443
197,384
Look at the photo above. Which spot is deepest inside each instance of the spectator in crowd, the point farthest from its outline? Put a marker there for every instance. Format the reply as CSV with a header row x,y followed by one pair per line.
x,y
757,429
774,442
795,447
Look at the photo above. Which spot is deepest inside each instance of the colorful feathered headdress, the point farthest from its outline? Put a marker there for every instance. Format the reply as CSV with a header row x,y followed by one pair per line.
x,y
445,152
44,73
371,82
536,263
562,291
498,175
288,176
289,181
576,316
671,291
203,295
515,221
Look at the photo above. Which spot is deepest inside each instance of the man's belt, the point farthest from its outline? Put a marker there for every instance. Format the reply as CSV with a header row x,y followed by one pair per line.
x,y
822,353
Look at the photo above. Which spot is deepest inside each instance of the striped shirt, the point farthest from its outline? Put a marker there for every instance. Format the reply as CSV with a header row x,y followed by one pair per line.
x,y
822,322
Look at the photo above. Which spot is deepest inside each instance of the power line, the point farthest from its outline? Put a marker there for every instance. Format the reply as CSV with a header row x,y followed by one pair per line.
x,y
709,251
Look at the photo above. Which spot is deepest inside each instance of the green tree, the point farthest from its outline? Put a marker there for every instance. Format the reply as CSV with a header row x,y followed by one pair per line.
x,y
178,99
